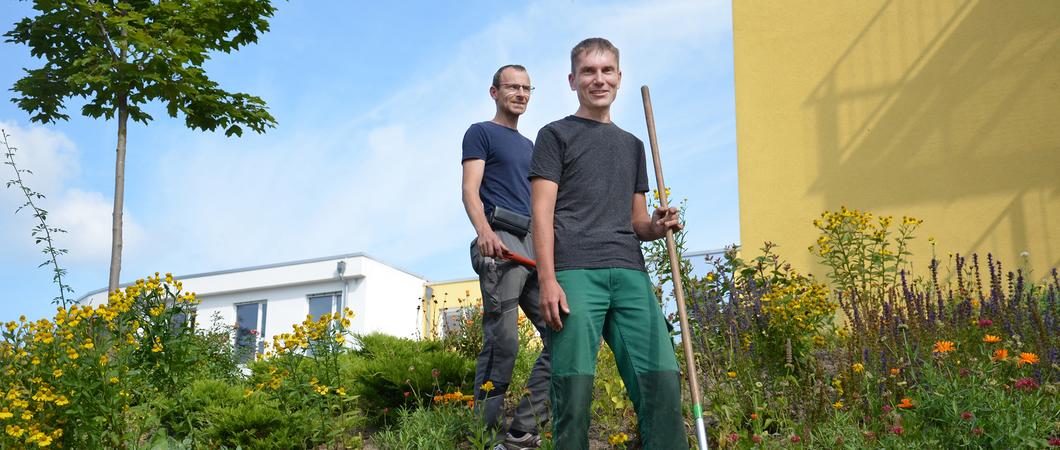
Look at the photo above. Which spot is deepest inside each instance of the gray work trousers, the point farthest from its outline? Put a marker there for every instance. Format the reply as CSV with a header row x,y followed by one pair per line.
x,y
507,286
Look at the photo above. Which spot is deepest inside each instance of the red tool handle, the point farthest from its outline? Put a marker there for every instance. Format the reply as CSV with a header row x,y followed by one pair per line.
x,y
520,259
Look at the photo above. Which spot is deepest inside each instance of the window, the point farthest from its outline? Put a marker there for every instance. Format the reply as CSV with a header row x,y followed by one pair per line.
x,y
250,329
456,319
320,304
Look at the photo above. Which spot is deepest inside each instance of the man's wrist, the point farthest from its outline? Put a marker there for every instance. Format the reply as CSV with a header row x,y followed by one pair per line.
x,y
483,231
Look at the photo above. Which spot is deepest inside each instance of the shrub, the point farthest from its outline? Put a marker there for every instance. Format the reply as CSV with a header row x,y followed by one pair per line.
x,y
69,381
253,422
301,371
862,252
388,372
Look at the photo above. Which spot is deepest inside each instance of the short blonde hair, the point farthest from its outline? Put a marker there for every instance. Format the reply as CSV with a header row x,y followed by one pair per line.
x,y
591,44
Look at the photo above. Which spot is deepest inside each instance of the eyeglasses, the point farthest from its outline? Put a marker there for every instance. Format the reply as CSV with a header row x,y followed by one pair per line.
x,y
518,87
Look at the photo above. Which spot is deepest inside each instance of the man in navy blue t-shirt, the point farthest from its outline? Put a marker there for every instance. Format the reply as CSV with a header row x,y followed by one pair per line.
x,y
496,195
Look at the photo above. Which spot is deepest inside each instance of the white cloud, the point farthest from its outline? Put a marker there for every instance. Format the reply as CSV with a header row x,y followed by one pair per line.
x,y
85,216
50,155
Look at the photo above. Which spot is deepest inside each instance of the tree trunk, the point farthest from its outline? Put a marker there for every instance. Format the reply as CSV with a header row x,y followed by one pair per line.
x,y
119,197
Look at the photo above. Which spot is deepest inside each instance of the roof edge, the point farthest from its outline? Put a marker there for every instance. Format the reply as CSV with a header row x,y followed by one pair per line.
x,y
267,266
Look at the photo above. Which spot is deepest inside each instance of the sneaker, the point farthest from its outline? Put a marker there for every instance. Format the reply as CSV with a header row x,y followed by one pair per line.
x,y
527,441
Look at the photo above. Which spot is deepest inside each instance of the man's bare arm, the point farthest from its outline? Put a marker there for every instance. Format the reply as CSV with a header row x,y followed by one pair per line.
x,y
543,208
489,244
654,227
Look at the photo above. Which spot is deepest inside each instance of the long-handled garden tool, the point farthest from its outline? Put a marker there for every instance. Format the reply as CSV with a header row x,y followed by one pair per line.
x,y
679,292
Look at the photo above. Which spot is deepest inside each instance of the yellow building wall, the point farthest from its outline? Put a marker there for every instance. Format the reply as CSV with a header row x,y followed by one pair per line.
x,y
944,110
443,295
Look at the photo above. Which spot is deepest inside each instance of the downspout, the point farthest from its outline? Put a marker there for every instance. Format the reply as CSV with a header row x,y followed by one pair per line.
x,y
340,269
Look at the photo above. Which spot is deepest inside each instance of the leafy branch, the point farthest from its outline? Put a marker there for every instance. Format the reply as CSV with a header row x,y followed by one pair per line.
x,y
42,233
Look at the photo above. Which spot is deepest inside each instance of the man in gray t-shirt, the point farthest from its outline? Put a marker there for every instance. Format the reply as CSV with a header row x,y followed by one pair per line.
x,y
589,214
598,167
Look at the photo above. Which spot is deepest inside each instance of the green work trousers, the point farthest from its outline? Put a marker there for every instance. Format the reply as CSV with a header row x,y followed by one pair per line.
x,y
621,306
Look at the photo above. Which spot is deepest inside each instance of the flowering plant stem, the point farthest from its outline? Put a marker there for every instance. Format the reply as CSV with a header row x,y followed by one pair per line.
x,y
42,233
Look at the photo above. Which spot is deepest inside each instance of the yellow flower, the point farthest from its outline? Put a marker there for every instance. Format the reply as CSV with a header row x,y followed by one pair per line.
x,y
487,386
61,401
858,367
1027,358
944,347
618,439
731,374
57,373
837,405
113,380
991,339
340,339
655,193
5,414
88,345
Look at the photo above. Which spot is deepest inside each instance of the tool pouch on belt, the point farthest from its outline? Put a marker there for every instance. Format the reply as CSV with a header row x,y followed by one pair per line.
x,y
510,221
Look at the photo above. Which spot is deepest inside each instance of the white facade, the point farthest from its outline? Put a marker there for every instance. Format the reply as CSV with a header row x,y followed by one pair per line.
x,y
270,299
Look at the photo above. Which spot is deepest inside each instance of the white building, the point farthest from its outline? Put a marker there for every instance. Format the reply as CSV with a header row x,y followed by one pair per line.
x,y
268,300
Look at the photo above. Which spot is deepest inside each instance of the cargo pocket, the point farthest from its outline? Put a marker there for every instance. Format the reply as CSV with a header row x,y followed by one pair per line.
x,y
491,278
476,258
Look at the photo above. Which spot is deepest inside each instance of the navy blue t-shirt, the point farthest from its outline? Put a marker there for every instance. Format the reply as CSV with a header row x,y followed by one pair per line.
x,y
507,154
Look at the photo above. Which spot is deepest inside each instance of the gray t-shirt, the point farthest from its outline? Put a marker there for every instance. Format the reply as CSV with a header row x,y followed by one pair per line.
x,y
598,167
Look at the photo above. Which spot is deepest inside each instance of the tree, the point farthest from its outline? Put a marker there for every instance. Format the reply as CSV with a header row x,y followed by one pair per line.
x,y
121,55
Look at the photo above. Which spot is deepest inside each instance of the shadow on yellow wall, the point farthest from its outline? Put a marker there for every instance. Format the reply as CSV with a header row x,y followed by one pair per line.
x,y
944,110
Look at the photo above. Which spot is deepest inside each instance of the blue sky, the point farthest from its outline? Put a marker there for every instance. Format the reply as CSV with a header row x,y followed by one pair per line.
x,y
372,101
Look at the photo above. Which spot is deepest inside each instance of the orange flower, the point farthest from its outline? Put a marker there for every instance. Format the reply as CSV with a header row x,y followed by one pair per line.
x,y
944,347
895,371
991,339
907,403
1000,355
1027,358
